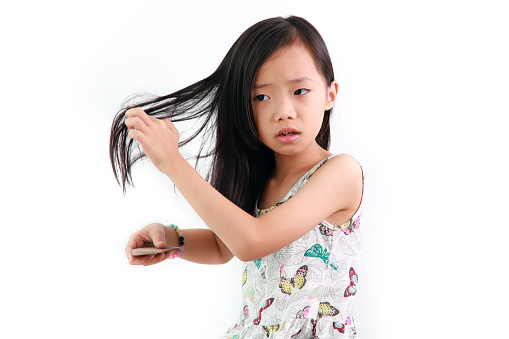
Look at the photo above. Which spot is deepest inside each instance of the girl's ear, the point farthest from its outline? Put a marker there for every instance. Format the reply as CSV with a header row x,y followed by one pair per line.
x,y
332,95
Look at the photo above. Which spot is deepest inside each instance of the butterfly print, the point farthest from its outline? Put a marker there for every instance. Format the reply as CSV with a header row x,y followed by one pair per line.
x,y
314,323
244,277
317,251
340,326
326,309
317,293
234,327
268,302
303,314
324,230
271,329
262,273
298,280
350,226
246,312
258,263
351,289
249,293
245,316
293,336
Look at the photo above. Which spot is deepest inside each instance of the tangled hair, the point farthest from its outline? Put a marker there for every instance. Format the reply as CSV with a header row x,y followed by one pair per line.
x,y
222,104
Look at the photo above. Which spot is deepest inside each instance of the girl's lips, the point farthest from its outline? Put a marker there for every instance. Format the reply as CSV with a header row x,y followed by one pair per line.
x,y
287,135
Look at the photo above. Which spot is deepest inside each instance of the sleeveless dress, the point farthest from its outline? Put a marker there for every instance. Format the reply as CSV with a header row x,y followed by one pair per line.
x,y
306,289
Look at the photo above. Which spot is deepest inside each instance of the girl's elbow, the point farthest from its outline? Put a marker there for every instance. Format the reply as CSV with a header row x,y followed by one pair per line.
x,y
223,260
248,250
246,257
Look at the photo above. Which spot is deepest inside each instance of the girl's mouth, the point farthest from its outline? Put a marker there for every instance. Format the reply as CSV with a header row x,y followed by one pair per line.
x,y
287,135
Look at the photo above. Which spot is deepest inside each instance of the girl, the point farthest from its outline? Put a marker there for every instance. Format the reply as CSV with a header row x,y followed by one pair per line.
x,y
268,105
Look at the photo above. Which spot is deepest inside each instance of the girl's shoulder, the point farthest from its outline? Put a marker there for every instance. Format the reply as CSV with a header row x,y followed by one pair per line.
x,y
347,170
340,176
342,165
346,178
345,158
336,166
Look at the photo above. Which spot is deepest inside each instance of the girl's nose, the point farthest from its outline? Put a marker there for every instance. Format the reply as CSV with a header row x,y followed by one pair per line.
x,y
285,110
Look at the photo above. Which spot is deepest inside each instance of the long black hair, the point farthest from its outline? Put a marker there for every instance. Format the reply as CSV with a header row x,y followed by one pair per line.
x,y
222,104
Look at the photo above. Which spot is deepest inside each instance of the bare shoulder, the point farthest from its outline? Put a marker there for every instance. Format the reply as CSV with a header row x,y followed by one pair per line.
x,y
345,160
344,167
342,178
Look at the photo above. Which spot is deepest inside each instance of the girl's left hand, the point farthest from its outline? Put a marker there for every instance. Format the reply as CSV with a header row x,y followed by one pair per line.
x,y
157,137
154,234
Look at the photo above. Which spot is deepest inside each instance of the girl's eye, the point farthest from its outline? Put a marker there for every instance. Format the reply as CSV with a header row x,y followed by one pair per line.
x,y
261,97
301,91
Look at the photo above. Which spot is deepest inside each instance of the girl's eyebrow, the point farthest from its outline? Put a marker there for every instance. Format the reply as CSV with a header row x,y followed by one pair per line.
x,y
292,81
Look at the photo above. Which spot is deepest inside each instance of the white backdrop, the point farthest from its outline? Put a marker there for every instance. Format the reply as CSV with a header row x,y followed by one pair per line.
x,y
423,105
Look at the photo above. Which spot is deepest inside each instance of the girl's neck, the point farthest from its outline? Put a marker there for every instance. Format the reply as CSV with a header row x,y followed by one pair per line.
x,y
296,165
288,170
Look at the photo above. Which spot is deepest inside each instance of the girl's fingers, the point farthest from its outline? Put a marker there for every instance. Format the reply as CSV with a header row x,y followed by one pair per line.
x,y
167,255
147,260
141,260
152,259
141,124
138,136
137,240
134,242
138,112
156,259
136,123
157,236
169,124
144,118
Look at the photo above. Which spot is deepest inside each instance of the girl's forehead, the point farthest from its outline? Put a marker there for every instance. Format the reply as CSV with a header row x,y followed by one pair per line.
x,y
290,62
297,51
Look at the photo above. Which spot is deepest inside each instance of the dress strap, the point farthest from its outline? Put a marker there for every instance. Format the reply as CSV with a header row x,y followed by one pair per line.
x,y
298,185
312,171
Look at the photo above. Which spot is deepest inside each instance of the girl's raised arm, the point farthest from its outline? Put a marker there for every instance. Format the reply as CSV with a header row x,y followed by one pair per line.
x,y
337,186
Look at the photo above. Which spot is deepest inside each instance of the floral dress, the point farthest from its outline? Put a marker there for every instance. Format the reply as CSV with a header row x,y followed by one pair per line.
x,y
306,289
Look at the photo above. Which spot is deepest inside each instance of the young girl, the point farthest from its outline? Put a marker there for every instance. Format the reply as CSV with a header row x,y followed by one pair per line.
x,y
277,199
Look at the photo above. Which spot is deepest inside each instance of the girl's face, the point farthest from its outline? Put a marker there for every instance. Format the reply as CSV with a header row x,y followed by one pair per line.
x,y
290,97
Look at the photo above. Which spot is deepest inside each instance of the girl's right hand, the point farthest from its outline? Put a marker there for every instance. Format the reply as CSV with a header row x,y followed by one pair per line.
x,y
158,138
154,234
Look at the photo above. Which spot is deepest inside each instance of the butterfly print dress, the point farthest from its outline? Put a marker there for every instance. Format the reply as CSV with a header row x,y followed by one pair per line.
x,y
306,289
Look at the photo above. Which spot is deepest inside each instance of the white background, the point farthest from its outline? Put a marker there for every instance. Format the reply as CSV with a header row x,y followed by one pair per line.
x,y
423,106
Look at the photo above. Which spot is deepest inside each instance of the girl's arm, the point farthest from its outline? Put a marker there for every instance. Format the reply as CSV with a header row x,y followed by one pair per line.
x,y
201,245
337,186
